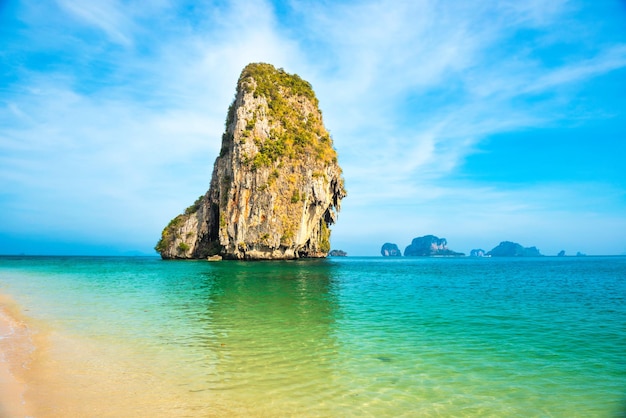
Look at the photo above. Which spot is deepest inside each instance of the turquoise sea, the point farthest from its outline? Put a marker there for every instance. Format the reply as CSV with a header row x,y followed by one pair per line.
x,y
346,336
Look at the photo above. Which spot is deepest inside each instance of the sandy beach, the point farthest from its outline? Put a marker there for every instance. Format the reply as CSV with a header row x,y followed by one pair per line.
x,y
16,349
47,374
44,373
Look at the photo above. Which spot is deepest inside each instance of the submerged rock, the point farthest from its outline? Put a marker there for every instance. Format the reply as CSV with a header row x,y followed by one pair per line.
x,y
276,185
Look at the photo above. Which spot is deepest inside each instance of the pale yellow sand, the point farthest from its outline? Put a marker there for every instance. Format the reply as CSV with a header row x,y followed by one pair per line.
x,y
47,374
15,354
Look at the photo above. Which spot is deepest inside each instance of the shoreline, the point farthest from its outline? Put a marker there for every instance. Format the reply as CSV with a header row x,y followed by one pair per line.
x,y
47,372
16,350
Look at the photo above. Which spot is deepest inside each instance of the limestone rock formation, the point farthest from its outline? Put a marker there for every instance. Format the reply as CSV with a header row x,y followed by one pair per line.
x,y
428,246
390,250
276,185
478,252
513,249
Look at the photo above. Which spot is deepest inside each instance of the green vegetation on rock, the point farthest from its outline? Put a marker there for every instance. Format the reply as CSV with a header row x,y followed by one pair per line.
x,y
268,80
324,243
297,128
169,234
194,208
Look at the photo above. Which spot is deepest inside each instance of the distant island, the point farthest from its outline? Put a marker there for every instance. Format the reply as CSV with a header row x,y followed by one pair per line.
x,y
426,246
513,249
433,246
338,253
390,250
430,246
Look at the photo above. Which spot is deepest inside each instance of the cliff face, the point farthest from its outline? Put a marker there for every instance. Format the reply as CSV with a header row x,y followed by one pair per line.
x,y
276,185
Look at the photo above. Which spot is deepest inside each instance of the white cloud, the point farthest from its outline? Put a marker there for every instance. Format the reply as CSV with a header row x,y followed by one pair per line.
x,y
106,15
533,13
612,59
436,49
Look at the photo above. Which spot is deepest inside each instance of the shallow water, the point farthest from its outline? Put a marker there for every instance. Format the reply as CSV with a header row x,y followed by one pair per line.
x,y
335,337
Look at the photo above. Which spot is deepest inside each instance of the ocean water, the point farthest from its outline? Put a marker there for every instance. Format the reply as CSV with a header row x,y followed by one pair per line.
x,y
351,336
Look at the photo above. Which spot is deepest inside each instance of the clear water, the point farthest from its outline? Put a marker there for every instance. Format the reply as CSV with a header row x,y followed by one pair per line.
x,y
336,337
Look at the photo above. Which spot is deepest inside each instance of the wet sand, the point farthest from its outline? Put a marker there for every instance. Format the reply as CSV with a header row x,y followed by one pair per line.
x,y
45,373
16,348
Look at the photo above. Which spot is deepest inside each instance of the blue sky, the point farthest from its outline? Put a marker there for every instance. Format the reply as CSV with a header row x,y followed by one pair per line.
x,y
477,121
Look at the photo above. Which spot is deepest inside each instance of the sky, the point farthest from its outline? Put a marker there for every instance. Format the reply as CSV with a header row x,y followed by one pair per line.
x,y
480,121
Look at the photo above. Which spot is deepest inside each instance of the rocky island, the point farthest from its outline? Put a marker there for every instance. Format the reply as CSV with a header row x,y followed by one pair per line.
x,y
390,250
513,249
429,246
276,185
